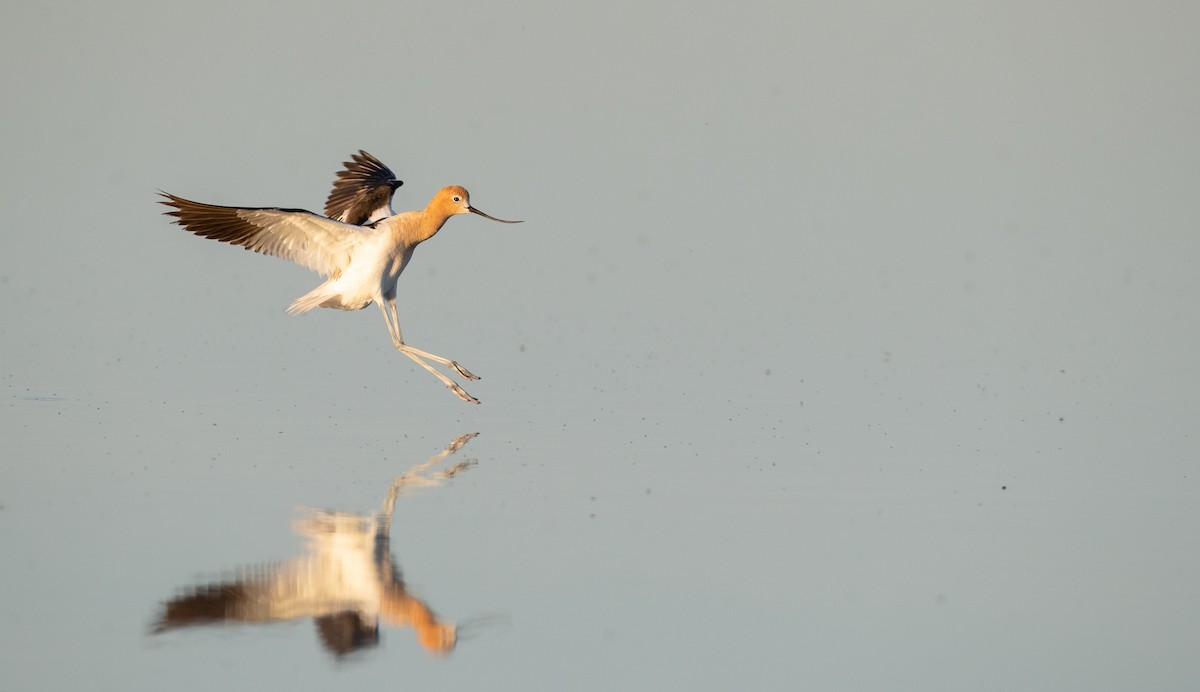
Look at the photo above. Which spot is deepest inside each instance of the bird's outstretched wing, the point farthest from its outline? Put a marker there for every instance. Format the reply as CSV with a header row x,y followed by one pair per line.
x,y
363,192
310,240
346,632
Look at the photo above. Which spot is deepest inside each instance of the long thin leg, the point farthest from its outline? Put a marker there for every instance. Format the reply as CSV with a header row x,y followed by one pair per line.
x,y
444,361
454,387
393,325
395,321
413,477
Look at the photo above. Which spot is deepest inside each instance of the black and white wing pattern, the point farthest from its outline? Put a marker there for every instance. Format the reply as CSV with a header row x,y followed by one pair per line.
x,y
310,240
362,193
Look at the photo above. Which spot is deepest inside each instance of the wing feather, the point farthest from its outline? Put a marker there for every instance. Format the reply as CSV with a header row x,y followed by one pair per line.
x,y
310,240
363,192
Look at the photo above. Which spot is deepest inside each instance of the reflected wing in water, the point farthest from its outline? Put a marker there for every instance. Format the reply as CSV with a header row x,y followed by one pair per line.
x,y
347,581
346,633
203,605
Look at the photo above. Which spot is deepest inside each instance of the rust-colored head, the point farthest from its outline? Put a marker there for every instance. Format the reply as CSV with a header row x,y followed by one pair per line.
x,y
438,638
399,609
454,199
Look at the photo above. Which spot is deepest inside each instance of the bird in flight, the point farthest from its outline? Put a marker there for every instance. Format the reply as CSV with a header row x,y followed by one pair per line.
x,y
360,245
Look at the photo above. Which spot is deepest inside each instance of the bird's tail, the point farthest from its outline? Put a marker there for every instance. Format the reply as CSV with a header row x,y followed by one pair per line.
x,y
308,301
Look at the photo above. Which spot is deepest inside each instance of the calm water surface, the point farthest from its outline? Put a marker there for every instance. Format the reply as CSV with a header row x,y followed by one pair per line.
x,y
853,349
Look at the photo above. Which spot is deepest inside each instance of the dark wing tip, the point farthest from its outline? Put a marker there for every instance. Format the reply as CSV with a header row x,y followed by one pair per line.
x,y
225,224
174,202
363,186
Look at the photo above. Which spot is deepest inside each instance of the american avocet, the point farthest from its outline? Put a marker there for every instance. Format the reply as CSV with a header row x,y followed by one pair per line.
x,y
348,580
362,262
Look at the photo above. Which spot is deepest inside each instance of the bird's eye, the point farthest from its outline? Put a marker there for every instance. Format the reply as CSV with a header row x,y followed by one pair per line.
x,y
457,198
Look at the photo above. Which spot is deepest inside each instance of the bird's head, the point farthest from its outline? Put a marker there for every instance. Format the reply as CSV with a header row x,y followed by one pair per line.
x,y
456,200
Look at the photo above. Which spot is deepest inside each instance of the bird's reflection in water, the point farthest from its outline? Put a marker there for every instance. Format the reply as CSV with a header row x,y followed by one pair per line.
x,y
347,582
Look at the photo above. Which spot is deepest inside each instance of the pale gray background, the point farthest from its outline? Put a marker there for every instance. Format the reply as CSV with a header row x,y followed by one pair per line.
x,y
845,346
